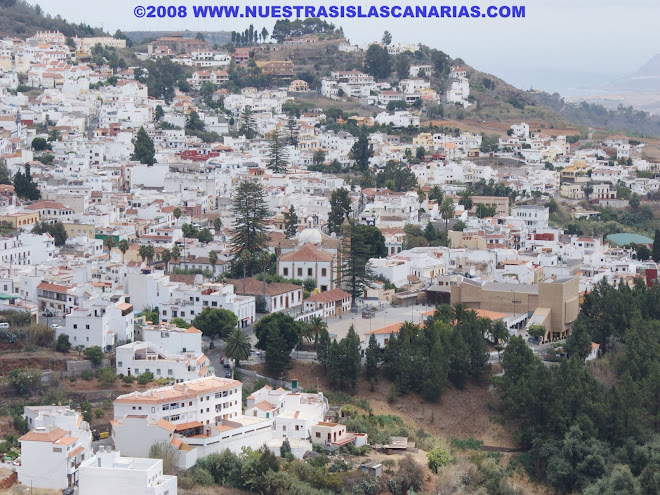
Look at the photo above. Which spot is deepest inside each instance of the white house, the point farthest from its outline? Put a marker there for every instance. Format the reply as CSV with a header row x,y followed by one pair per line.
x,y
107,473
309,262
334,302
137,358
535,217
53,449
172,339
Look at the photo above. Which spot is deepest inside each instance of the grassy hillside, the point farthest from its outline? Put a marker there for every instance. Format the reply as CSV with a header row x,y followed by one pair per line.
x,y
18,18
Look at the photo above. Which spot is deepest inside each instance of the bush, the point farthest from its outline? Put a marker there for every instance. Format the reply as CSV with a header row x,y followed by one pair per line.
x,y
106,376
94,354
201,476
25,382
87,375
128,379
99,413
438,457
39,335
63,345
145,378
87,416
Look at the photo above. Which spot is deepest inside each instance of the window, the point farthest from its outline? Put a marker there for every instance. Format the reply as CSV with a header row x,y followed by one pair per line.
x,y
285,272
75,325
87,327
300,272
169,372
318,434
158,371
309,272
324,272
119,363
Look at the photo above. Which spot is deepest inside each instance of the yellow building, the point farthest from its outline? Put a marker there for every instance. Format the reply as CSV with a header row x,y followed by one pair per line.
x,y
19,220
80,230
423,139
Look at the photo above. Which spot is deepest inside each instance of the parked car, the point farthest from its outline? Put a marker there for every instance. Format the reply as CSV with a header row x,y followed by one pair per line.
x,y
68,491
48,314
55,326
227,374
226,365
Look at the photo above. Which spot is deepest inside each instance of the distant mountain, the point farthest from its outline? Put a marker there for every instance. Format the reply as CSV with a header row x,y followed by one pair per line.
x,y
650,68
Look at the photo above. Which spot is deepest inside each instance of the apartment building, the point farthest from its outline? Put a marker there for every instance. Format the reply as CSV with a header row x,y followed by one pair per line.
x,y
205,401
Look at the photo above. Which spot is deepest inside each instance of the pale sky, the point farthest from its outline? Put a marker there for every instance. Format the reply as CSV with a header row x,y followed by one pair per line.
x,y
560,45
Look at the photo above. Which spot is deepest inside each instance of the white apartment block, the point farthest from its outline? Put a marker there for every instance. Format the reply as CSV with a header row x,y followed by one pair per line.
x,y
535,217
137,358
51,452
108,473
100,321
207,401
26,249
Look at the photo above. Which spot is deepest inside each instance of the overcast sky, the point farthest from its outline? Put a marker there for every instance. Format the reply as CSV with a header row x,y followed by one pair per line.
x,y
561,45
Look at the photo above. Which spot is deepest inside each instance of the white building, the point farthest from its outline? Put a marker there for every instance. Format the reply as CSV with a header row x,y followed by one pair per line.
x,y
172,339
207,401
309,262
137,358
535,217
107,473
100,321
53,449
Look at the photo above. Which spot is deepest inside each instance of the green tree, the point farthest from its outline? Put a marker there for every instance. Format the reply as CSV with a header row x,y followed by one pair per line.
x,y
39,144
24,185
180,323
340,209
278,156
537,331
250,212
215,322
291,222
166,256
237,346
318,157
655,254
63,345
177,213
466,200
292,131
278,334
402,65
217,225
248,123
193,122
159,113
373,356
109,243
143,148
438,457
213,259
5,177
123,247
356,274
361,151
387,38
205,236
94,354
378,62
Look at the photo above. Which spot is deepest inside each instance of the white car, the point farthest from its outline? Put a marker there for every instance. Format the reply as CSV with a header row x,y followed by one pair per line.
x,y
55,326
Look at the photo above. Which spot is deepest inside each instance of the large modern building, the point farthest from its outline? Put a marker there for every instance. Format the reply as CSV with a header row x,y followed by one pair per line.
x,y
553,304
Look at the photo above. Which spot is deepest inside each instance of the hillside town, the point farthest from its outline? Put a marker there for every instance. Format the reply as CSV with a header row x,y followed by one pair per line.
x,y
179,237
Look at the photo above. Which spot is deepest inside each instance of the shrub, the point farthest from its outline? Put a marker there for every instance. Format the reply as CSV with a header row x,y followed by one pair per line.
x,y
39,335
87,375
99,413
128,379
106,376
94,354
145,378
87,416
201,476
438,457
24,381
63,345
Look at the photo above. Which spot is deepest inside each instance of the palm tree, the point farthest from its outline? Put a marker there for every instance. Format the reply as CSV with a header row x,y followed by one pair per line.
x,y
213,259
176,253
109,242
447,210
316,326
123,247
217,225
150,252
143,252
177,213
500,332
166,256
237,346
460,312
466,200
408,330
485,326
